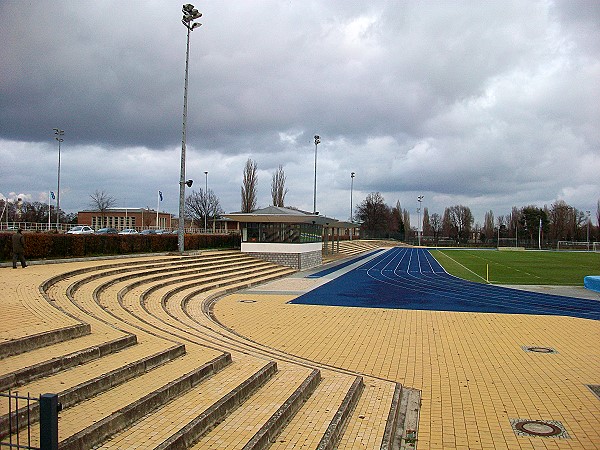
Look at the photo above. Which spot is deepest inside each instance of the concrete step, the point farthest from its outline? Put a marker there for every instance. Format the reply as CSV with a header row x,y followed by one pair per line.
x,y
93,421
321,420
40,340
27,373
262,417
187,417
374,421
88,380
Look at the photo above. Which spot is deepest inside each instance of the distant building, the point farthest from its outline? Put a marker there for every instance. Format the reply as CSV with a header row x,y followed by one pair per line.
x,y
121,218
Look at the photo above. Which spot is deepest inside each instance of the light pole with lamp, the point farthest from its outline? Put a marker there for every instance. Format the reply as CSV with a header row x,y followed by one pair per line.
x,y
352,174
205,197
317,142
189,15
58,136
588,228
419,199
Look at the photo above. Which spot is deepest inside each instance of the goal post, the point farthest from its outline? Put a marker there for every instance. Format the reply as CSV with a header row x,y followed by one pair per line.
x,y
576,245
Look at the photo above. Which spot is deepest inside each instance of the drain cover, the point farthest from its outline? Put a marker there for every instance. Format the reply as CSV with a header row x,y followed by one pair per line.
x,y
247,301
534,349
541,428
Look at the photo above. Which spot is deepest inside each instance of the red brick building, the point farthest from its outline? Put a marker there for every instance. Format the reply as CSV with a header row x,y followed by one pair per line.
x,y
121,218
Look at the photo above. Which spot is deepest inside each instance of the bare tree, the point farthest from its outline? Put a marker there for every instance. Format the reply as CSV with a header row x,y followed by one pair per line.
x,y
488,224
203,206
101,201
427,231
374,215
249,186
436,226
278,190
461,221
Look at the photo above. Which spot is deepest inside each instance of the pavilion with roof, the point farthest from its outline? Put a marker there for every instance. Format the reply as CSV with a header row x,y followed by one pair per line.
x,y
286,236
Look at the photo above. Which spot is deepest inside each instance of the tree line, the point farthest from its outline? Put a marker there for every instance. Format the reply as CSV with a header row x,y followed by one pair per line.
x,y
557,222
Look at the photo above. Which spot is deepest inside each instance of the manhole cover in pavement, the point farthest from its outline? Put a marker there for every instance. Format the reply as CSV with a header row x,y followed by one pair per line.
x,y
534,349
247,301
541,428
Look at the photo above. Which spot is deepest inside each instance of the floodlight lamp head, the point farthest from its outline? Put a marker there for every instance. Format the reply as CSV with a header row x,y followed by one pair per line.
x,y
187,7
189,183
317,139
195,25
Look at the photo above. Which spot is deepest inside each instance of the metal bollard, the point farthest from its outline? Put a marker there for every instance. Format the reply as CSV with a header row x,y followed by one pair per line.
x,y
49,408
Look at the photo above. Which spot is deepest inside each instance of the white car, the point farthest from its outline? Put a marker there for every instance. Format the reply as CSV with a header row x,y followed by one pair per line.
x,y
128,231
81,229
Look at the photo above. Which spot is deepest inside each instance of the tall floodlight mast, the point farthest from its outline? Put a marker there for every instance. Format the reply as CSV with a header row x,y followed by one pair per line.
x,y
189,15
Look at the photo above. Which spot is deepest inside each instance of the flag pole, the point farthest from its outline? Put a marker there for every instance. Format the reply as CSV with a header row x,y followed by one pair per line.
x,y
49,210
157,207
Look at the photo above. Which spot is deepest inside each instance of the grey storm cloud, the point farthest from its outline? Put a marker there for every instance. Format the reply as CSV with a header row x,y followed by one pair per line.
x,y
466,101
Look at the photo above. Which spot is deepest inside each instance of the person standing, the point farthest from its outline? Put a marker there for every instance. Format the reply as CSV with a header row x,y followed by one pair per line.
x,y
18,245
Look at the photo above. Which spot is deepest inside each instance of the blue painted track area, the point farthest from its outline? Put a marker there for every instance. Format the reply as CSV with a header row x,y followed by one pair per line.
x,y
405,278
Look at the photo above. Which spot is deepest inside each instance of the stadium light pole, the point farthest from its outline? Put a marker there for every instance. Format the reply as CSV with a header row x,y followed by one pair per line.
x,y
352,174
317,142
189,15
205,197
419,199
588,228
59,137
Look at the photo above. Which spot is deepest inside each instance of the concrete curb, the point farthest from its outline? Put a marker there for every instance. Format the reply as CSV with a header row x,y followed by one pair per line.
x,y
35,341
270,430
54,365
338,423
391,427
115,422
187,435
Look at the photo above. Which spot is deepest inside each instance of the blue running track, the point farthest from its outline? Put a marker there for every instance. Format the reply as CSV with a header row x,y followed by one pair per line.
x,y
405,278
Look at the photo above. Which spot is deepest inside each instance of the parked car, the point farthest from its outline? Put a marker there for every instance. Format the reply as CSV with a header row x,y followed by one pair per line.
x,y
147,232
128,231
107,231
161,232
81,229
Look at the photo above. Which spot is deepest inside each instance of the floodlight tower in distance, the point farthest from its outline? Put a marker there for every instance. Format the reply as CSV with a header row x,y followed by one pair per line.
x,y
352,175
59,137
317,142
419,199
588,213
205,197
189,15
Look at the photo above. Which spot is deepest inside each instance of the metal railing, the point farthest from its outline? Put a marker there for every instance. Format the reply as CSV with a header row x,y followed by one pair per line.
x,y
23,412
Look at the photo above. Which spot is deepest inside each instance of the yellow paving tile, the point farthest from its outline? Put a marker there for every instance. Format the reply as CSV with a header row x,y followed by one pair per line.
x,y
470,367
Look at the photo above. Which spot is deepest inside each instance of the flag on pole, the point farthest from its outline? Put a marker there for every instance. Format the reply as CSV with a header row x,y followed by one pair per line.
x,y
160,195
52,195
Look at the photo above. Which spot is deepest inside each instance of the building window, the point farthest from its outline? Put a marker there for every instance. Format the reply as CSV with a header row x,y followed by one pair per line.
x,y
283,232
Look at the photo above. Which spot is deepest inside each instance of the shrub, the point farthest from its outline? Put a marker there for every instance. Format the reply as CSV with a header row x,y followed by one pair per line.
x,y
52,246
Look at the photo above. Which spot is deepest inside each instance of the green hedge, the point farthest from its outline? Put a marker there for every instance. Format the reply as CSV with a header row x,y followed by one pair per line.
x,y
52,246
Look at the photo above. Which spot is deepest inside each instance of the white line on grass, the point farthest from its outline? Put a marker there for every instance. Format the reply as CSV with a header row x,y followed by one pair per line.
x,y
465,267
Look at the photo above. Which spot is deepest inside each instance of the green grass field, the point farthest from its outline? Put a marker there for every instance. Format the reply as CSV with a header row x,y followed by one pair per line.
x,y
520,267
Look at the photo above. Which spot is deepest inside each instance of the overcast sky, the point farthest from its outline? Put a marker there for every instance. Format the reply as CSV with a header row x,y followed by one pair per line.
x,y
487,104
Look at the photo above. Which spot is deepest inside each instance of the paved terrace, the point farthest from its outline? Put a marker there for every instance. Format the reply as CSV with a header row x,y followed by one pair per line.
x,y
477,372
472,371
